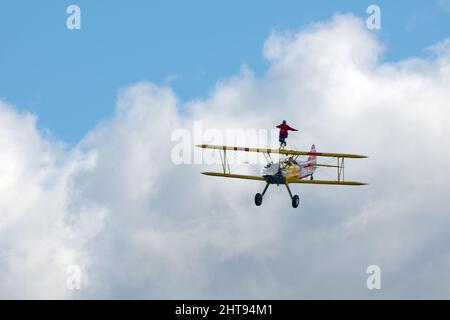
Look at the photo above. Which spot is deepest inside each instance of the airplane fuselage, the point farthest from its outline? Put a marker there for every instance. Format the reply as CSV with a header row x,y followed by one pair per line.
x,y
287,171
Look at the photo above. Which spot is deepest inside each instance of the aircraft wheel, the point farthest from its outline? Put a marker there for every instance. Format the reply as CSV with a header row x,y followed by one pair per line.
x,y
258,199
312,178
295,201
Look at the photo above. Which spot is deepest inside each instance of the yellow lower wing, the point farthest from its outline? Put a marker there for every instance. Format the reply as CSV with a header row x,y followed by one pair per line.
x,y
344,183
229,175
241,176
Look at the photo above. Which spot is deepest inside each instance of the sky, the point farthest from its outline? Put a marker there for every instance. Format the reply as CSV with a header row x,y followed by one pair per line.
x,y
70,78
89,181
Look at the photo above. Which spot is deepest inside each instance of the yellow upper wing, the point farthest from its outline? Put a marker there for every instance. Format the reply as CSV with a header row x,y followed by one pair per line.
x,y
282,151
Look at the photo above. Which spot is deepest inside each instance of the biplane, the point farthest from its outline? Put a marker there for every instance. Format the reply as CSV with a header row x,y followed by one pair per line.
x,y
288,169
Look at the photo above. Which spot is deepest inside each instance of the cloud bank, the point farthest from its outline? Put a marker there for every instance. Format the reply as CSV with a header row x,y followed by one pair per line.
x,y
141,227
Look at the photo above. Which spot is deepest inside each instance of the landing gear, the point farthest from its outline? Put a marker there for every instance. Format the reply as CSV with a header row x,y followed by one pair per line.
x,y
295,199
258,199
259,196
312,177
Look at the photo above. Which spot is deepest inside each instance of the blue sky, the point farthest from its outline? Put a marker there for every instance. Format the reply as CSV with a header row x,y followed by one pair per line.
x,y
70,79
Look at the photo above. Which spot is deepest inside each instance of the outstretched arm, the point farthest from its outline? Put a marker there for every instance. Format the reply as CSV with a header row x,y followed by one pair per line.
x,y
292,129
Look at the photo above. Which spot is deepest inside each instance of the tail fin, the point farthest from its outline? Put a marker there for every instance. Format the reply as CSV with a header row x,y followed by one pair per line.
x,y
312,159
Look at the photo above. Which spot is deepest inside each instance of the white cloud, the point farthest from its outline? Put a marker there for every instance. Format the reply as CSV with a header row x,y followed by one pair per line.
x,y
139,226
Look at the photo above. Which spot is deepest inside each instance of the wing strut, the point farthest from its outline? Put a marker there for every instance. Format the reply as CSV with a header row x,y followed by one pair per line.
x,y
340,169
225,163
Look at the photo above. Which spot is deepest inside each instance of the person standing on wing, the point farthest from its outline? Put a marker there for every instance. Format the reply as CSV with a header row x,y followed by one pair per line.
x,y
284,128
